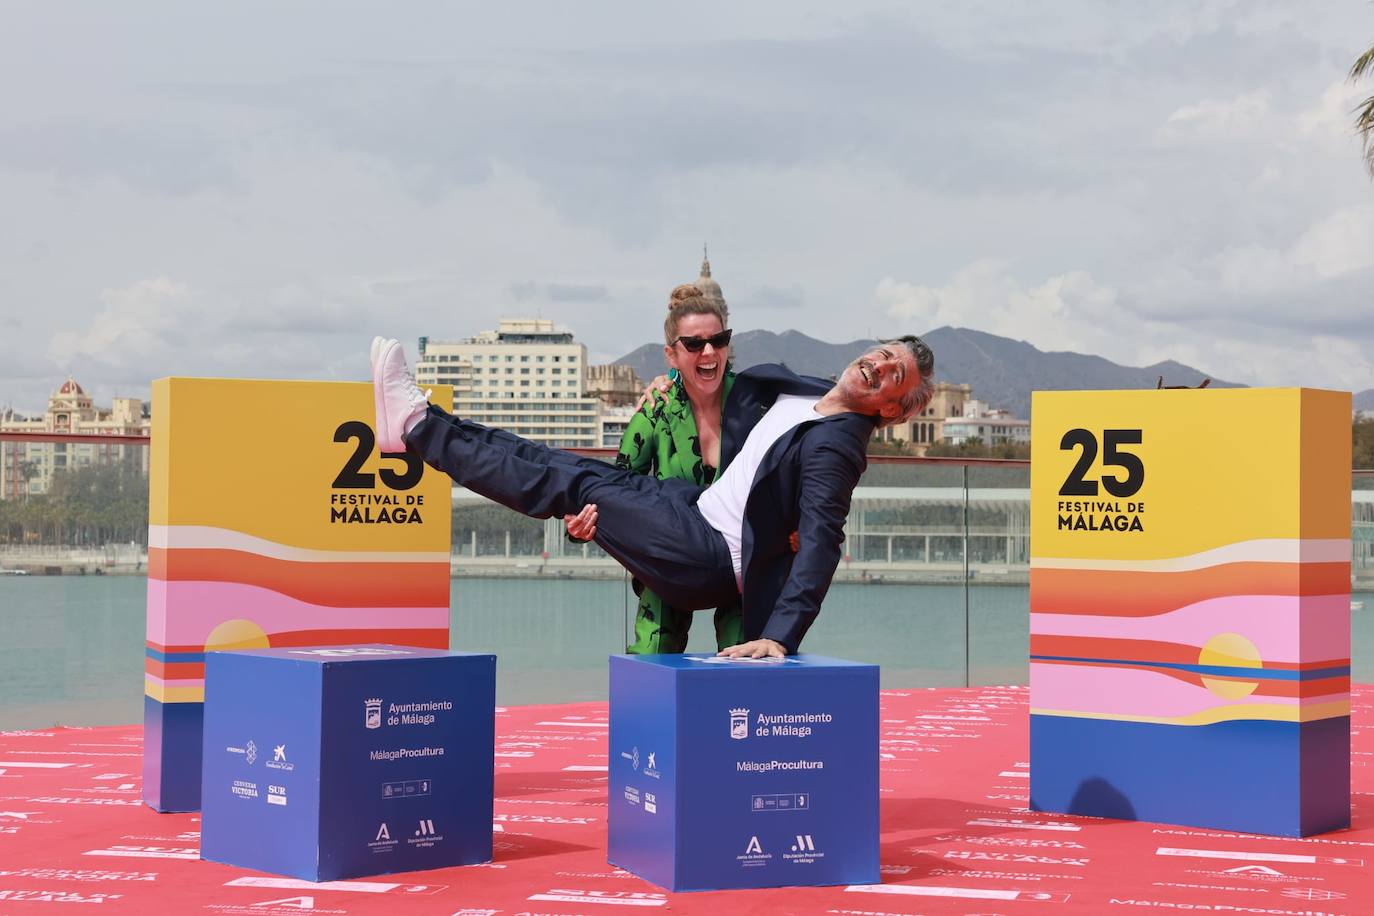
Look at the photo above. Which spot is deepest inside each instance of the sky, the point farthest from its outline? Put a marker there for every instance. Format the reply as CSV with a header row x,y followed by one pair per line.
x,y
256,189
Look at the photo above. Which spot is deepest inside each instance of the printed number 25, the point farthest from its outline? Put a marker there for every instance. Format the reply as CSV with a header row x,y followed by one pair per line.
x,y
352,476
1078,484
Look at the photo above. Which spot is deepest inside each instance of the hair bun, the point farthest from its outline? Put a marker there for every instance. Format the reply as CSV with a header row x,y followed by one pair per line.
x,y
683,291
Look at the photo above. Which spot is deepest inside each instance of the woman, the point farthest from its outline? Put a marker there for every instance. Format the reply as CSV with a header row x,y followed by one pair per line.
x,y
678,436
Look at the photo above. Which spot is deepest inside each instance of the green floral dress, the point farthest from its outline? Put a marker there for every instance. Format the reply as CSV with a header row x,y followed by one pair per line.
x,y
662,440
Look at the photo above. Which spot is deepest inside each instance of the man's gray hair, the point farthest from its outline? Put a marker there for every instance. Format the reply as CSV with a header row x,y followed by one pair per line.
x,y
916,400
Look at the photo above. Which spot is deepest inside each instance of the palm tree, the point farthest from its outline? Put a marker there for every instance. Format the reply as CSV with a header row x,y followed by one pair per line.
x,y
1364,114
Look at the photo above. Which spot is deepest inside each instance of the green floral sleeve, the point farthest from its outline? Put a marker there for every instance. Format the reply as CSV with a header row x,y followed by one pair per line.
x,y
637,445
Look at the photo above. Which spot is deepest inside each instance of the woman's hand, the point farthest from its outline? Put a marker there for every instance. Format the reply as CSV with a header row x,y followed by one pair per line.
x,y
656,389
582,526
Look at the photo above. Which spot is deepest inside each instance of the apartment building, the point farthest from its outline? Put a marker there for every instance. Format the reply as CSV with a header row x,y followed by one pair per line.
x,y
27,468
526,376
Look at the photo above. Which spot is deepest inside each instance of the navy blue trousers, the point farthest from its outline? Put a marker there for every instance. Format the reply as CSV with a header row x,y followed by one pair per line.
x,y
650,526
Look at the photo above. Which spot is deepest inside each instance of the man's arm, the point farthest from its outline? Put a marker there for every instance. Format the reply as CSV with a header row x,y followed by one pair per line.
x,y
829,475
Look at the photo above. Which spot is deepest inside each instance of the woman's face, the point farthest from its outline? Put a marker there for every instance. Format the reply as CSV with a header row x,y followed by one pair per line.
x,y
703,373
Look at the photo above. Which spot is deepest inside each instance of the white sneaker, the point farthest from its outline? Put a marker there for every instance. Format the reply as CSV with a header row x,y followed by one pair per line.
x,y
400,403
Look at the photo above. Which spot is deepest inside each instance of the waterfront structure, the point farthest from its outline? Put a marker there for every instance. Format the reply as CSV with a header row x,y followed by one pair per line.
x,y
27,468
526,377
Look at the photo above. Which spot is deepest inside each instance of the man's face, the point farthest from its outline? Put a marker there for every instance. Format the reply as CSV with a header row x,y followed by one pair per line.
x,y
877,382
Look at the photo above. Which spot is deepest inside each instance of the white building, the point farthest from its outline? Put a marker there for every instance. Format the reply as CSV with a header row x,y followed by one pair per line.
x,y
27,468
525,377
614,421
988,430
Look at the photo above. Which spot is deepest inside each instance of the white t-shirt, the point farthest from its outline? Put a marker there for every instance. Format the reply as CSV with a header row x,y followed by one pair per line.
x,y
722,505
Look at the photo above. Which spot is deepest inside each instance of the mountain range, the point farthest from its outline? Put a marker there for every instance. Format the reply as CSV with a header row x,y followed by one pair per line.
x,y
1003,372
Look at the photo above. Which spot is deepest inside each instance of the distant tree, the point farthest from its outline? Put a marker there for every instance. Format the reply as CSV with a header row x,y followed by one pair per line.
x,y
1362,434
99,504
28,470
1364,112
878,446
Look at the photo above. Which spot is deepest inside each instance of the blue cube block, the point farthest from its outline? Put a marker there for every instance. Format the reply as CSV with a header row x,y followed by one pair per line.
x,y
339,762
734,774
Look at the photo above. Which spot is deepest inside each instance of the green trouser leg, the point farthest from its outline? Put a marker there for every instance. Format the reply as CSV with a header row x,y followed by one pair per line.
x,y
661,628
729,625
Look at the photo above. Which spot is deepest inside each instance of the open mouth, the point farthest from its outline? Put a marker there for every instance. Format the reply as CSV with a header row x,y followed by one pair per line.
x,y
708,371
870,374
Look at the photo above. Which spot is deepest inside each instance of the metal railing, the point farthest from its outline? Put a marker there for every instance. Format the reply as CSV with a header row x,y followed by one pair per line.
x,y
933,587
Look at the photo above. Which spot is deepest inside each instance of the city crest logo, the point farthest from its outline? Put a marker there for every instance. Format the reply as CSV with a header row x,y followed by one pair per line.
x,y
739,723
372,716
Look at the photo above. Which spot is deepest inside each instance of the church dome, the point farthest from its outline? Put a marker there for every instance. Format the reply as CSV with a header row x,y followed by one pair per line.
x,y
709,287
70,387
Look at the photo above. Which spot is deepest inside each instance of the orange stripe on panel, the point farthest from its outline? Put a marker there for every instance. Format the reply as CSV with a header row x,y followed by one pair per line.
x,y
327,584
173,671
1141,594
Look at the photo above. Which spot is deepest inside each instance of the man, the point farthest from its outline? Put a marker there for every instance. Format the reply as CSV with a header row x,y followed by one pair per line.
x,y
804,445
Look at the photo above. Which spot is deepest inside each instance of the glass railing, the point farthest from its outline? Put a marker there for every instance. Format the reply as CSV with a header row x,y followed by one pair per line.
x,y
933,587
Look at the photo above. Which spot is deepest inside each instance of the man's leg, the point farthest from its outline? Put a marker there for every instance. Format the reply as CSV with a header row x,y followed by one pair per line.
x,y
650,526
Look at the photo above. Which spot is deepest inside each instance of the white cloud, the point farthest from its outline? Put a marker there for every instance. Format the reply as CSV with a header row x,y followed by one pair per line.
x,y
1140,181
1239,112
1340,243
137,324
1331,115
1068,311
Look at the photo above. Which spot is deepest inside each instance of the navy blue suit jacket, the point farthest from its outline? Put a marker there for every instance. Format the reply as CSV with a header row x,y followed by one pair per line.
x,y
804,484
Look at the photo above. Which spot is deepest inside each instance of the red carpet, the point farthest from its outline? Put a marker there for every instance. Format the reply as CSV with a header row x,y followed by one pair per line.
x,y
956,838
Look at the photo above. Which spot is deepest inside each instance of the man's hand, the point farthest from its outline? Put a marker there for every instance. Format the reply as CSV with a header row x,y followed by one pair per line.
x,y
656,389
756,648
582,525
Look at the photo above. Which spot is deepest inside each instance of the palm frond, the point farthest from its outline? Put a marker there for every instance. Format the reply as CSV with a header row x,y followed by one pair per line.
x,y
1363,64
1364,112
1364,125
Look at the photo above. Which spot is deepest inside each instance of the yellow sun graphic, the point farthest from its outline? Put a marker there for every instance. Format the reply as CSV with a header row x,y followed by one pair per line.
x,y
1230,650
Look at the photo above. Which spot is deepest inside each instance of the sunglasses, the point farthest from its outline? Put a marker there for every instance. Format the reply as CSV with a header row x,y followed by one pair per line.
x,y
697,344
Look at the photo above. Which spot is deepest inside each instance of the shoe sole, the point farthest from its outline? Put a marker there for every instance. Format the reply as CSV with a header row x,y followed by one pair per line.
x,y
376,352
384,433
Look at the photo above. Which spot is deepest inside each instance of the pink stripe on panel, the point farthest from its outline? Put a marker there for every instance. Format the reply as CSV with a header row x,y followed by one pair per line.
x,y
1271,622
174,682
205,605
157,612
1122,691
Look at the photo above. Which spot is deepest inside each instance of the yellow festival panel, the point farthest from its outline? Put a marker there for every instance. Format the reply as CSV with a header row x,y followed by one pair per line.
x,y
1210,463
1190,607
266,457
274,521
